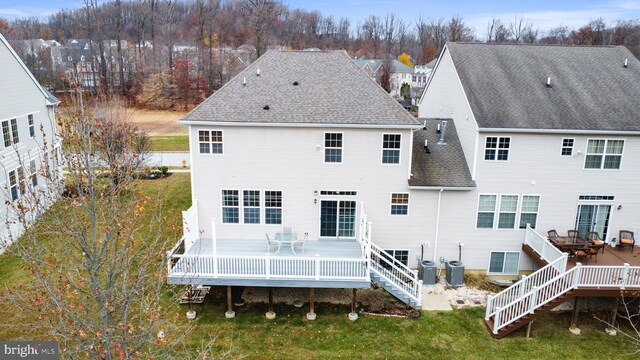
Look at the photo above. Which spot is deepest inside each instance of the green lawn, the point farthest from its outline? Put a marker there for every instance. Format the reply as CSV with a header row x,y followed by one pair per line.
x,y
458,334
169,143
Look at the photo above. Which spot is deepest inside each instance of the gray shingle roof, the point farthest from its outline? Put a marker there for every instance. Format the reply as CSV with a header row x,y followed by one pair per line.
x,y
445,165
590,87
331,90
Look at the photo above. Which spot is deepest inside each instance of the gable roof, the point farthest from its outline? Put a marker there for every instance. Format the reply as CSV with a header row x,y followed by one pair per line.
x,y
331,90
444,165
590,88
51,100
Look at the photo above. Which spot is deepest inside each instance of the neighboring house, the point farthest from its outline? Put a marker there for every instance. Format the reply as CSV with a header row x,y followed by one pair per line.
x,y
400,73
25,108
319,152
552,137
419,78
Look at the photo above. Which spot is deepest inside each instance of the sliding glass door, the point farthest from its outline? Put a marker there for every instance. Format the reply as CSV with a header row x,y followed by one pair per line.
x,y
337,219
593,218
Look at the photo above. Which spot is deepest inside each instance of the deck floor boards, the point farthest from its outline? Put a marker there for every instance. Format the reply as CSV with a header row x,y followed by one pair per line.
x,y
312,248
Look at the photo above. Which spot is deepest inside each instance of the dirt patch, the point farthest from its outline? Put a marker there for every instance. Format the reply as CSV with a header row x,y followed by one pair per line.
x,y
158,122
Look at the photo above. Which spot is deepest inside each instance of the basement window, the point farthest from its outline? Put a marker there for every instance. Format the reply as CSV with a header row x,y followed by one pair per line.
x,y
504,262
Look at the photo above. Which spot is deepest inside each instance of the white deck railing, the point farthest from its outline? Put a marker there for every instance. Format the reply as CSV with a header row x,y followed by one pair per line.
x,y
190,226
267,267
401,276
553,281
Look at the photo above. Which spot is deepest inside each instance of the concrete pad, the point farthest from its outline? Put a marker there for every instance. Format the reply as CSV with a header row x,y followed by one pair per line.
x,y
435,302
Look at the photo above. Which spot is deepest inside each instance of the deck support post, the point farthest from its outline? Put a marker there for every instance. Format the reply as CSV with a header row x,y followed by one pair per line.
x,y
230,314
611,329
573,328
270,314
311,315
353,316
529,329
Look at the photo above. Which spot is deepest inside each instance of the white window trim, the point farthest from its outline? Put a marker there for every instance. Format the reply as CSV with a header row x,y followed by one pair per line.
x,y
391,203
382,149
222,206
516,221
604,154
497,148
264,206
324,148
260,207
493,226
573,147
210,142
503,263
520,210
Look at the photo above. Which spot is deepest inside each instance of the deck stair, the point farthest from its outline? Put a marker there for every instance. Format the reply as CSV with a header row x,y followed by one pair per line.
x,y
552,285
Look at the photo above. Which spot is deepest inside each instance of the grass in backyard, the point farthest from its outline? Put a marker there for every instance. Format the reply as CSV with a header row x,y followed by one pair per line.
x,y
458,334
169,143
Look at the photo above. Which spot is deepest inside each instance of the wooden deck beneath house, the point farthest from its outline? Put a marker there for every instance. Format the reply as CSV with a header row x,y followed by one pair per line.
x,y
610,257
320,264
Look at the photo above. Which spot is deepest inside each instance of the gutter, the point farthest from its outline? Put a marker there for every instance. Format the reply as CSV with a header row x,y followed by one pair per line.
x,y
560,131
305,125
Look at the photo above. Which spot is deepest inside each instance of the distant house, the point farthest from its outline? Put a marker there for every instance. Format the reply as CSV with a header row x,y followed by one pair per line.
x,y
420,76
400,73
551,135
25,107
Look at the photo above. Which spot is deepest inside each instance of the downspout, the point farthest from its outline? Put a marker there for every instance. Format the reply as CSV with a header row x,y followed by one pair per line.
x,y
435,241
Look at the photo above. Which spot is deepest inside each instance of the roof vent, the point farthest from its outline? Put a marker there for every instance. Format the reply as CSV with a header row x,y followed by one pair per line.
x,y
295,83
424,127
549,81
244,81
426,147
443,131
257,72
438,128
266,107
626,62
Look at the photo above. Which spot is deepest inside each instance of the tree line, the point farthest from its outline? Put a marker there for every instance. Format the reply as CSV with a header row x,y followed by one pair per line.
x,y
151,69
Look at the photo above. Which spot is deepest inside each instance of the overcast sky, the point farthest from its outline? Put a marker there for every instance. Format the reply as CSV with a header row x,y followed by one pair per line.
x,y
544,14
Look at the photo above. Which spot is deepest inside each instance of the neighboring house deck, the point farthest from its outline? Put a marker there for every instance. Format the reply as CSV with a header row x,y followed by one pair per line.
x,y
617,274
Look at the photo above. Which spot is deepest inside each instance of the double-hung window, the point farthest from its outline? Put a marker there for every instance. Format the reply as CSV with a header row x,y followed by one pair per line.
x,y
401,256
210,141
251,206
10,135
504,262
508,211
17,185
273,207
230,207
497,148
391,148
33,172
32,126
567,147
399,204
603,154
332,147
529,211
486,211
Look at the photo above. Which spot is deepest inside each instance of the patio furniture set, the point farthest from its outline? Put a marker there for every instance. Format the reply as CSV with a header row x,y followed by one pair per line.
x,y
579,249
286,237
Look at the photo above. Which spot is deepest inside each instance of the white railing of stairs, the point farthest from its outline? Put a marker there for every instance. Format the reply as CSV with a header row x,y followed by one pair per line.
x,y
553,281
403,278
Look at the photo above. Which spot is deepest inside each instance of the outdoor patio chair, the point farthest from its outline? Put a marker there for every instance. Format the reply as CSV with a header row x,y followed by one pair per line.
x,y
552,233
593,250
580,254
626,238
573,234
594,239
271,243
300,243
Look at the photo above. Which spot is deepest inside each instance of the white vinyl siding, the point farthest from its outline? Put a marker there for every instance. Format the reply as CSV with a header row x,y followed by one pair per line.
x,y
603,154
504,262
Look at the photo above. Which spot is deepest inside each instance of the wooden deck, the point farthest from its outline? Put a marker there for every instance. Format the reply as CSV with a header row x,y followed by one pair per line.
x,y
610,257
321,248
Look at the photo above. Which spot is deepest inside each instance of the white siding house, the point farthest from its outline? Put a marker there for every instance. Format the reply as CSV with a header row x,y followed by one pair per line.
x,y
26,115
552,137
